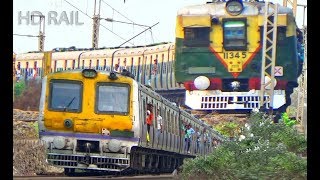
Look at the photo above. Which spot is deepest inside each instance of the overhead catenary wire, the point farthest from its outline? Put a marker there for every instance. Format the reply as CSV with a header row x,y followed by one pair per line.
x,y
100,24
26,35
114,10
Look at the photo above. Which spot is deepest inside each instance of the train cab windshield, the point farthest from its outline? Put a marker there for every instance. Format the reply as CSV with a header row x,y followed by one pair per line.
x,y
234,35
112,98
65,95
196,36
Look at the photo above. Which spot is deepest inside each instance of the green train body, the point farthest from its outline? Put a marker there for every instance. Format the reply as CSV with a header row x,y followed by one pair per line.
x,y
219,55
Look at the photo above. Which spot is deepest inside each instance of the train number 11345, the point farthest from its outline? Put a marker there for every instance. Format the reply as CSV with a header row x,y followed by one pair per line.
x,y
230,55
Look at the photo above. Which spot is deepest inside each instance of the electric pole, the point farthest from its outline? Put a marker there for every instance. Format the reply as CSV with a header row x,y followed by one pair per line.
x,y
293,3
96,25
41,31
268,56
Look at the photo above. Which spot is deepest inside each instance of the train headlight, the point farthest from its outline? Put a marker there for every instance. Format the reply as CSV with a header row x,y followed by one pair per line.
x,y
89,73
201,82
114,145
234,7
59,142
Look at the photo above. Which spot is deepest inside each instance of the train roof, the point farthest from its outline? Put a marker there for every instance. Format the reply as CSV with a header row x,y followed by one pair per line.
x,y
29,56
68,55
218,9
74,53
123,52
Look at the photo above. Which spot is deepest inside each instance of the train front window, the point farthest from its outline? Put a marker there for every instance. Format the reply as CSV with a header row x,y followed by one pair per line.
x,y
196,36
65,96
112,98
234,35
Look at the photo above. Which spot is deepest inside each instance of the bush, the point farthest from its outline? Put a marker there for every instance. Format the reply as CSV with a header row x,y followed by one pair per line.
x,y
29,98
266,150
19,88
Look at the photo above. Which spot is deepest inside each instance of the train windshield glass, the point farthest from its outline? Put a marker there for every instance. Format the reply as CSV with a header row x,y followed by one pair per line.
x,y
113,98
65,95
234,35
196,36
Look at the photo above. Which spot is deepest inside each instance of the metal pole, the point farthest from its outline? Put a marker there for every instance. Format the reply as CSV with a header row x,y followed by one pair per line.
x,y
96,25
41,31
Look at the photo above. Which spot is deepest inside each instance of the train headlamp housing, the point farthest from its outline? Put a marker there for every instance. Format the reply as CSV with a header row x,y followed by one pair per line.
x,y
113,76
68,123
234,7
89,73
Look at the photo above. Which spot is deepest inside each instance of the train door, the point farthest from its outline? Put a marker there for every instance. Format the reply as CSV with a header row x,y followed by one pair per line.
x,y
73,64
165,73
97,65
176,131
124,65
144,71
105,65
143,126
65,64
117,66
149,71
139,71
154,73
161,72
26,74
132,68
159,125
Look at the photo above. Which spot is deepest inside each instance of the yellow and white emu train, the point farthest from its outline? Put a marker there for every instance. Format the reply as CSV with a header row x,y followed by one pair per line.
x,y
94,120
151,64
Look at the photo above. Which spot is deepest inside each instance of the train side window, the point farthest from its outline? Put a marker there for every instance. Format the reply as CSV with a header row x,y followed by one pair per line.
x,y
82,64
234,34
196,36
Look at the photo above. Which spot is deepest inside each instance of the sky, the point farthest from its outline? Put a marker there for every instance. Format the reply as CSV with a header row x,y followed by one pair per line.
x,y
71,23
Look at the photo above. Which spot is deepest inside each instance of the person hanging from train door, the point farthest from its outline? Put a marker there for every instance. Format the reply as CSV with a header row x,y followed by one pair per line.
x,y
149,120
189,132
198,140
205,139
159,124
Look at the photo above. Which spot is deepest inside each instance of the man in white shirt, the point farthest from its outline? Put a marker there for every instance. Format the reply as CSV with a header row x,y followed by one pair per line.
x,y
159,124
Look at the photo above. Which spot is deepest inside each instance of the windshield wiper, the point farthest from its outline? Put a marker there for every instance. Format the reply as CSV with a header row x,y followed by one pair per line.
x,y
65,109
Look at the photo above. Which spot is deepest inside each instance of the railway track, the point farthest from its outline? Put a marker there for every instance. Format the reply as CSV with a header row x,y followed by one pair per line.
x,y
155,177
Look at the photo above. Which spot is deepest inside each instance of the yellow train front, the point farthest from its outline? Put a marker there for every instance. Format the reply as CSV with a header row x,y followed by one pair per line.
x,y
94,121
